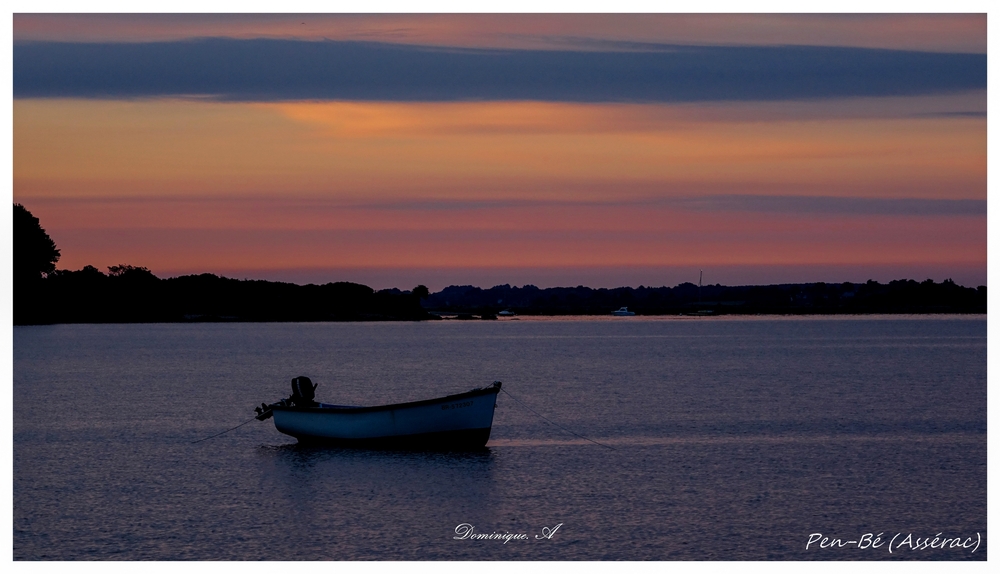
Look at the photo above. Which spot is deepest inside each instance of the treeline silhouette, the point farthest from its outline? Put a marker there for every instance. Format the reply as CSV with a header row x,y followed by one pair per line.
x,y
130,294
903,296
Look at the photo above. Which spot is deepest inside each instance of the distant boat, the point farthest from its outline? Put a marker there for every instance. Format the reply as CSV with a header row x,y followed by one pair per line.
x,y
623,312
461,421
506,313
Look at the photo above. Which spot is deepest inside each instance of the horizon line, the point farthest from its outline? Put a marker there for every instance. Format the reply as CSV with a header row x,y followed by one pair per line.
x,y
526,285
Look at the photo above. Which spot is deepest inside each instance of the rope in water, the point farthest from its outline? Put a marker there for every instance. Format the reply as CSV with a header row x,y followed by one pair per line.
x,y
552,423
225,431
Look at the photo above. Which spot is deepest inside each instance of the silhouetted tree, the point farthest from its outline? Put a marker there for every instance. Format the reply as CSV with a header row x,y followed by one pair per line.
x,y
35,257
421,292
35,253
131,272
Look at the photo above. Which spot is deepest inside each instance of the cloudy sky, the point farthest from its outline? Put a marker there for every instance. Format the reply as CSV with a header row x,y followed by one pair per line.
x,y
602,150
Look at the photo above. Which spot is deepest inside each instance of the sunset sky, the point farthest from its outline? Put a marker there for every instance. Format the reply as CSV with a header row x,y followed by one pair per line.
x,y
555,150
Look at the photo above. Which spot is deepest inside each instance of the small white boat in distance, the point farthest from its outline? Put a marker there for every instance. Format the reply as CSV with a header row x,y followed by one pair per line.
x,y
623,312
454,422
506,313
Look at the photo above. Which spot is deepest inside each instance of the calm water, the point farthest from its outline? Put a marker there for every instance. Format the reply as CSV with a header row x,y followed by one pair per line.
x,y
734,439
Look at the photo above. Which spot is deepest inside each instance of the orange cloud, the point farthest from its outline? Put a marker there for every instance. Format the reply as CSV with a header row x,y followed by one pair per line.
x,y
479,150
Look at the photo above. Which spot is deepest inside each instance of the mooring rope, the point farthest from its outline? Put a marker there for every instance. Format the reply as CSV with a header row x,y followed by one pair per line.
x,y
552,423
225,431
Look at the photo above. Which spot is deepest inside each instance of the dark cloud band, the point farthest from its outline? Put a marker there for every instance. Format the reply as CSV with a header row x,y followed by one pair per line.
x,y
268,70
836,205
791,204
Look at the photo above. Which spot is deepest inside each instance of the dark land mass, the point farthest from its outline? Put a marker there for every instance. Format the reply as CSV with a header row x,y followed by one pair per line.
x,y
128,294
903,296
134,295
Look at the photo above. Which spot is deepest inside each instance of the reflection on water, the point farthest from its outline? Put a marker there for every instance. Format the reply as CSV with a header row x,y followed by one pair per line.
x,y
734,439
323,459
937,438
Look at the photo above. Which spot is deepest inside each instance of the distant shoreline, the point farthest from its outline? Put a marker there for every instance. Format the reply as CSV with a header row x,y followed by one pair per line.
x,y
137,296
583,319
761,316
687,299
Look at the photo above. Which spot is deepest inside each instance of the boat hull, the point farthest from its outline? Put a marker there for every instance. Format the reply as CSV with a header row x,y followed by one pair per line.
x,y
462,421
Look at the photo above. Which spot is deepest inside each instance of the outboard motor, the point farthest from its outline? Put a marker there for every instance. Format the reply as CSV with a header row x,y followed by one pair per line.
x,y
264,412
303,392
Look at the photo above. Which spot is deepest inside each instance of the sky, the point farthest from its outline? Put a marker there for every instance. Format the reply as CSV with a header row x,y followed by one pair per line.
x,y
554,150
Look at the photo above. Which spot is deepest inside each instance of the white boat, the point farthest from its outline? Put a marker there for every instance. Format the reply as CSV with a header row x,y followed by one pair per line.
x,y
623,312
461,421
